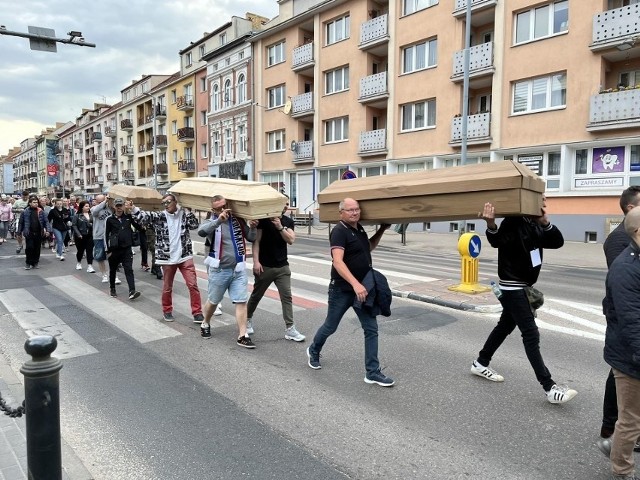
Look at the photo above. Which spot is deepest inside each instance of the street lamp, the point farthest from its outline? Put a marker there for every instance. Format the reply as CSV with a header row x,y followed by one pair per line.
x,y
155,139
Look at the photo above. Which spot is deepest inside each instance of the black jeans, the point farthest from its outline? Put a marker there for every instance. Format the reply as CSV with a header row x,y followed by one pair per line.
x,y
144,254
125,257
610,404
32,249
516,312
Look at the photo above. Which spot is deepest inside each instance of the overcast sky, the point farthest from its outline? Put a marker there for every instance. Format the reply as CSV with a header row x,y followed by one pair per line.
x,y
132,37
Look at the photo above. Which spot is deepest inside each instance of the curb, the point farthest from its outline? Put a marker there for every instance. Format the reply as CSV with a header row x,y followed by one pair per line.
x,y
464,306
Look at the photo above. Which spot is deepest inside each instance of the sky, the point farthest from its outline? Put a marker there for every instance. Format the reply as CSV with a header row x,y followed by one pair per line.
x,y
132,38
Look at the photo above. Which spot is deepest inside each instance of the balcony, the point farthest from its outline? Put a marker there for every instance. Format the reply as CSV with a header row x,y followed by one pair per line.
x,y
303,152
302,105
128,174
161,142
32,175
79,163
186,134
478,129
77,144
460,8
96,136
127,150
110,131
126,125
149,118
373,142
67,147
142,148
112,176
481,66
184,102
161,113
617,29
163,168
374,35
614,110
142,173
79,182
97,179
374,90
302,58
187,166
67,165
96,157
111,154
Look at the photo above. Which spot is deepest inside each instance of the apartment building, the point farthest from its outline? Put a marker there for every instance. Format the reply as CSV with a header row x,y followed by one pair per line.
x,y
376,87
6,170
25,171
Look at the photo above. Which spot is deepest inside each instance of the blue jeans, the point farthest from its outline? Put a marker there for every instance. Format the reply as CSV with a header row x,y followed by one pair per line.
x,y
59,241
338,304
516,312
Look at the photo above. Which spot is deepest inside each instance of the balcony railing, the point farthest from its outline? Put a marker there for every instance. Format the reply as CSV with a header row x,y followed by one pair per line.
x,y
142,148
374,31
77,144
112,176
186,166
141,121
480,61
161,141
186,134
373,87
79,163
615,110
126,124
613,27
372,142
96,157
303,151
302,56
478,129
126,150
161,112
460,7
79,182
110,131
128,174
111,154
163,168
184,102
302,104
96,136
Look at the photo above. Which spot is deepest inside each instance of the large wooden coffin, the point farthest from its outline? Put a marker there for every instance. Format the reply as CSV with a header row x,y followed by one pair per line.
x,y
248,200
143,197
456,193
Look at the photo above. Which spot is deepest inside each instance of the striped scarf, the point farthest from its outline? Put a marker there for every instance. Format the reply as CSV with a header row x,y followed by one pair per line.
x,y
238,240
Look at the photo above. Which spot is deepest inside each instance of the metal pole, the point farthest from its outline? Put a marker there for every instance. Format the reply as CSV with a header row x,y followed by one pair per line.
x,y
465,96
155,143
42,406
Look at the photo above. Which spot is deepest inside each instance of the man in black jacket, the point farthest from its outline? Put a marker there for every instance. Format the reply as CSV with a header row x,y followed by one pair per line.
x,y
520,242
622,349
119,237
615,243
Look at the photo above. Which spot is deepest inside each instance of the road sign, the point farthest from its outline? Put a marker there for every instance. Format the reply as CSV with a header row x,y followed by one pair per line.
x,y
43,43
469,245
348,174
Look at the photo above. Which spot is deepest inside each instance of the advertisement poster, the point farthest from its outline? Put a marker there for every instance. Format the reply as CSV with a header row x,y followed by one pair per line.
x,y
53,167
608,160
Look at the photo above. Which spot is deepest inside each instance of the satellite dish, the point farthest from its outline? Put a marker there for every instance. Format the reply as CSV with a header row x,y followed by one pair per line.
x,y
294,146
287,108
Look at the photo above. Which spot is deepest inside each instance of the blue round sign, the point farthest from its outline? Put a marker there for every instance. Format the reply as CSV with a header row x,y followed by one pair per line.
x,y
348,174
469,245
475,245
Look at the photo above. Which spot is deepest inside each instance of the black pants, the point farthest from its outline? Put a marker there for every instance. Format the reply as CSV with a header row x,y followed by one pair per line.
x,y
33,244
516,312
144,254
84,244
125,257
610,404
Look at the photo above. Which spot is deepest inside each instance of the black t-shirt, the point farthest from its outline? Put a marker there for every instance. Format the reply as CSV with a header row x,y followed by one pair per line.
x,y
273,248
357,253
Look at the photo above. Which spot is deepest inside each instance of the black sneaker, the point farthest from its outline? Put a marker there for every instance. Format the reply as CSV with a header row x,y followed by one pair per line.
x,y
133,294
18,250
199,318
379,379
205,330
245,342
168,317
314,359
113,292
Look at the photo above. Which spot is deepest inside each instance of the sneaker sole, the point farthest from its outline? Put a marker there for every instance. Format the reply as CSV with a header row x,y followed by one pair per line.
x,y
382,384
246,346
134,296
205,336
309,361
197,321
566,398
295,339
168,319
491,377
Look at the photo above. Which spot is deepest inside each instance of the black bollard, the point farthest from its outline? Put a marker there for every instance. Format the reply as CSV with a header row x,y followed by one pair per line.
x,y
42,406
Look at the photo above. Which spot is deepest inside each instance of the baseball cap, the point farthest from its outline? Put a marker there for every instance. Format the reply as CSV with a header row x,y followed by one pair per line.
x,y
118,201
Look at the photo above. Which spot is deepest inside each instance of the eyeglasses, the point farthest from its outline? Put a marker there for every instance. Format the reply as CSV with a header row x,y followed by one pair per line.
x,y
219,209
167,202
351,210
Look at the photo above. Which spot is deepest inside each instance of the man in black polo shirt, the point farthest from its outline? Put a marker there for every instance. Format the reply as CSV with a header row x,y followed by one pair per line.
x,y
351,253
271,265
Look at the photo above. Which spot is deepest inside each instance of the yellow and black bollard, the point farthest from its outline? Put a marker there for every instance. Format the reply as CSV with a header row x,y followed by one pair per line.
x,y
469,246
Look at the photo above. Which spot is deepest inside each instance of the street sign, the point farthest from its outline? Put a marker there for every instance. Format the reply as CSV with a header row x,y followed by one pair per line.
x,y
42,43
469,245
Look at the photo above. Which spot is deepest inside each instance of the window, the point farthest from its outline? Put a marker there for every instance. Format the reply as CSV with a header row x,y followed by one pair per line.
x,y
581,162
242,88
634,158
242,138
539,94
188,60
336,80
629,79
215,98
174,156
336,130
201,50
174,127
276,96
542,22
275,54
228,142
276,141
215,144
418,115
188,122
228,94
204,150
203,84
484,103
174,96
327,177
203,117
411,6
420,56
223,38
553,164
337,30
188,153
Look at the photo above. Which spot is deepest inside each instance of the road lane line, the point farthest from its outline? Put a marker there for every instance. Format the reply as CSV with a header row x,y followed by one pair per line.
x,y
574,319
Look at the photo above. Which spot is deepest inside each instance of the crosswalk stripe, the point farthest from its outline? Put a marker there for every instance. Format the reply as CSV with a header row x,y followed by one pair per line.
x,y
134,323
574,319
594,309
571,331
36,319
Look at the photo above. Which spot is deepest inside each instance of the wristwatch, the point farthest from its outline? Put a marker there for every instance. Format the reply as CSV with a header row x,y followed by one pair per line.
x,y
283,228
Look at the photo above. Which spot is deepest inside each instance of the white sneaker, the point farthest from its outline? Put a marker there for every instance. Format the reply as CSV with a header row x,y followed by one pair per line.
x,y
118,282
62,258
78,266
249,327
560,394
105,278
90,269
58,256
292,334
218,311
486,372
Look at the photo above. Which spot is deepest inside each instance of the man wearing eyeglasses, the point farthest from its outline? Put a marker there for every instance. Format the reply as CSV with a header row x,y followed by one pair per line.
x,y
174,251
351,253
225,261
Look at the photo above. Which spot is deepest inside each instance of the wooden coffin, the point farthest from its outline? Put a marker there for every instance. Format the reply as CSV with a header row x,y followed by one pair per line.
x,y
143,197
248,200
456,193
